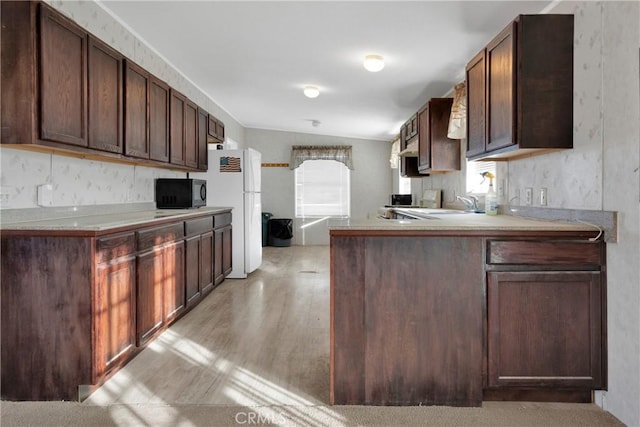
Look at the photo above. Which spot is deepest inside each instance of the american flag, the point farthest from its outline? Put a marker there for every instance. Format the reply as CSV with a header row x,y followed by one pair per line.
x,y
230,164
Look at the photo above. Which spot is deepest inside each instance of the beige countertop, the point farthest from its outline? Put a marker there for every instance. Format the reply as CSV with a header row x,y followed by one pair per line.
x,y
450,220
111,220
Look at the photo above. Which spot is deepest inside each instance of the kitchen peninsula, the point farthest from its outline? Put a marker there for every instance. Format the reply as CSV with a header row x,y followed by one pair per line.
x,y
461,308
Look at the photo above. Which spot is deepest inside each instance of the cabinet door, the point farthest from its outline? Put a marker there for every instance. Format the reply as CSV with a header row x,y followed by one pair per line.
x,y
191,134
211,127
501,90
227,250
105,97
63,80
174,286
177,111
158,120
114,314
150,293
220,130
203,153
206,262
218,273
476,105
192,267
136,111
424,139
545,329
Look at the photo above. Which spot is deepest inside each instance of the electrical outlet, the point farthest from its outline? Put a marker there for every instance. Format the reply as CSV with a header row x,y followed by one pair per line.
x,y
501,188
543,197
528,196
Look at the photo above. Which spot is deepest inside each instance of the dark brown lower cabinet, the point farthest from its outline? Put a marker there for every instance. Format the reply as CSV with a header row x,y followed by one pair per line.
x,y
227,265
115,321
192,274
448,318
150,281
218,274
545,329
76,306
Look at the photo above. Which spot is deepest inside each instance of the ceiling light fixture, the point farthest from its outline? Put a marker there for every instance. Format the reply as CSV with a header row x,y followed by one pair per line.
x,y
311,91
373,63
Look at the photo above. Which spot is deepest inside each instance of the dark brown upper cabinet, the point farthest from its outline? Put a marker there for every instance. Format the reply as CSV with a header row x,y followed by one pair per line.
x,y
136,100
215,130
63,80
526,75
203,153
476,105
105,97
67,91
191,135
436,152
177,107
408,134
158,120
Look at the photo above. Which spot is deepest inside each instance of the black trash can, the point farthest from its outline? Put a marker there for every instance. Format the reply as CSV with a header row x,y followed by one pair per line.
x,y
266,216
280,231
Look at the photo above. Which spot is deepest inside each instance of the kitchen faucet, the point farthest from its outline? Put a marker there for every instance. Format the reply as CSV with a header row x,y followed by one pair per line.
x,y
470,203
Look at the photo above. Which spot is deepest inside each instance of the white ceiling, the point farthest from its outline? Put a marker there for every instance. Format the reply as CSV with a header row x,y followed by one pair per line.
x,y
254,58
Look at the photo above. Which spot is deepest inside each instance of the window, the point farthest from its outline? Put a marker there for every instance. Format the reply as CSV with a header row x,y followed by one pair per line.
x,y
322,188
476,184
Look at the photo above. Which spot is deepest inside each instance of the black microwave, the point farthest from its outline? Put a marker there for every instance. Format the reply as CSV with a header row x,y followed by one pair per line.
x,y
180,193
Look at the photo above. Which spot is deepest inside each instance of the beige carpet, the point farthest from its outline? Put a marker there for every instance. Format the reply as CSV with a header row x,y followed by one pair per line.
x,y
511,414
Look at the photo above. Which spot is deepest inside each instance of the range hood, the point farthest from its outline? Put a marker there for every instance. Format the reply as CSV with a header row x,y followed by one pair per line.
x,y
411,150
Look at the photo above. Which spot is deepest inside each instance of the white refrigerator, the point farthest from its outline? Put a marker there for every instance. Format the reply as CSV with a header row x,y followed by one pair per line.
x,y
233,180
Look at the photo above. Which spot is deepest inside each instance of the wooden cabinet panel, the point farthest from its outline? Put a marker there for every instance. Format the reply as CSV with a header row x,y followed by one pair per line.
x,y
177,104
136,102
390,293
218,273
192,267
114,317
191,134
206,262
227,250
203,146
63,80
105,97
436,152
476,105
158,120
150,294
520,90
174,286
546,253
424,139
545,329
501,92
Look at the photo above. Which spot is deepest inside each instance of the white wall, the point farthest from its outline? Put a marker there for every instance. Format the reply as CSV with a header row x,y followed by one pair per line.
x,y
370,180
600,172
78,182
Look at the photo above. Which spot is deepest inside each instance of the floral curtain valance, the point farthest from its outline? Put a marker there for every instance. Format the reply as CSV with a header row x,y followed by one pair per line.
x,y
339,153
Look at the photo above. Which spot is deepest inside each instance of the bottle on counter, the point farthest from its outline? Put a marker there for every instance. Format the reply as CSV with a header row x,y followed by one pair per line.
x,y
491,199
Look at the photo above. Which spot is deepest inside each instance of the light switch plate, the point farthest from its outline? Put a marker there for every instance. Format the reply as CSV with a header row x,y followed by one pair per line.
x,y
45,195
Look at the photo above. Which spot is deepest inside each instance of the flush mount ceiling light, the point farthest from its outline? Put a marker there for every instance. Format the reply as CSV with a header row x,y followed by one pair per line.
x,y
373,63
311,91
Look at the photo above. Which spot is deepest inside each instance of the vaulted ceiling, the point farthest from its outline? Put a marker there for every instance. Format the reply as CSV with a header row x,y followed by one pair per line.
x,y
253,58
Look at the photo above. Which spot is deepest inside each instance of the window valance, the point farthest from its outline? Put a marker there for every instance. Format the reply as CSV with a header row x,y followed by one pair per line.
x,y
339,153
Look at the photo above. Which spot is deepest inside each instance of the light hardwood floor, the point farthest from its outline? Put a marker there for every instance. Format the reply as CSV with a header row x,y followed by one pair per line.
x,y
263,340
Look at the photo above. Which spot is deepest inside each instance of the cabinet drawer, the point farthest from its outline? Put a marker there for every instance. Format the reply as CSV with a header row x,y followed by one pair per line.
x,y
150,237
116,246
222,220
544,252
198,225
